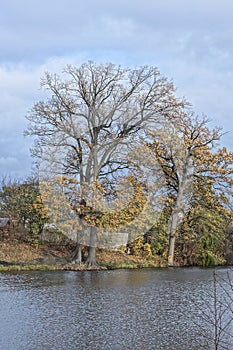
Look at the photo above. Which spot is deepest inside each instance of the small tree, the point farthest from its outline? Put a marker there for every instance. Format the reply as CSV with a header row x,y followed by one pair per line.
x,y
215,313
203,232
21,200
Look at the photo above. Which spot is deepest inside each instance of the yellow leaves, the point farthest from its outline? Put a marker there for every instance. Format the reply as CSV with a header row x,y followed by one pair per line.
x,y
123,212
57,206
139,247
40,208
73,207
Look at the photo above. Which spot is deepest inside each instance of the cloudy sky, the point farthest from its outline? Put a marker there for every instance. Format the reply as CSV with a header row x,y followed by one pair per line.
x,y
189,41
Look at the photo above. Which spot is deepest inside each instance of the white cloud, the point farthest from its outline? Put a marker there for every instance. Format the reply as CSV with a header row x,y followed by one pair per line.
x,y
188,41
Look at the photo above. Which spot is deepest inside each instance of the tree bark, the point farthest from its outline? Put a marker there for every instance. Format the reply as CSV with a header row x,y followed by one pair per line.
x,y
172,239
176,218
171,251
178,211
91,259
77,256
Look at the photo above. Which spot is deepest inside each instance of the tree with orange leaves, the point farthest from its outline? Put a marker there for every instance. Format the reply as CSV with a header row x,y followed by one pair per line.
x,y
186,152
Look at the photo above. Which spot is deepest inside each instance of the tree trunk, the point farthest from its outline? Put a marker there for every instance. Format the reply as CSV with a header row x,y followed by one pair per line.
x,y
171,251
176,218
77,255
91,259
40,233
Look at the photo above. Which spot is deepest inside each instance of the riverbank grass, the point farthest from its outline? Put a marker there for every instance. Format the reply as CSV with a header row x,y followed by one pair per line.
x,y
26,256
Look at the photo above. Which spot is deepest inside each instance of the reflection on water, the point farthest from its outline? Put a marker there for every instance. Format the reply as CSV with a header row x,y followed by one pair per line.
x,y
122,309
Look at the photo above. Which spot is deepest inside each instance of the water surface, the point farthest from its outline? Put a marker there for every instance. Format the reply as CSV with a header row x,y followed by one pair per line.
x,y
121,309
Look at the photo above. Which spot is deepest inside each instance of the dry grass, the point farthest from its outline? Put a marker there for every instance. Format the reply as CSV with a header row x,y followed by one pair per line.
x,y
16,256
116,259
14,251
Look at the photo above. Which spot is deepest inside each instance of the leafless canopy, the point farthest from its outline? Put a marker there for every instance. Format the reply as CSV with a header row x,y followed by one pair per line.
x,y
94,113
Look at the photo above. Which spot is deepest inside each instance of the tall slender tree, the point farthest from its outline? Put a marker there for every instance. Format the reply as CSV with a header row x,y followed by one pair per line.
x,y
186,153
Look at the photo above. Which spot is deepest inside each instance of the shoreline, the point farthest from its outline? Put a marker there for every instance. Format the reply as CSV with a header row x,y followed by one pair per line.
x,y
14,268
11,267
17,256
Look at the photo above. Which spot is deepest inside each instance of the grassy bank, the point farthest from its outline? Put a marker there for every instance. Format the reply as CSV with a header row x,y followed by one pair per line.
x,y
26,256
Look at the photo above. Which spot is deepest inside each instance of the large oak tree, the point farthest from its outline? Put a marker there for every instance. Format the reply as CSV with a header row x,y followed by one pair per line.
x,y
92,115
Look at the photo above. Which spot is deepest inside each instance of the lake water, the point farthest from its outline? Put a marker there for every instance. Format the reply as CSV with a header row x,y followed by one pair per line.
x,y
122,309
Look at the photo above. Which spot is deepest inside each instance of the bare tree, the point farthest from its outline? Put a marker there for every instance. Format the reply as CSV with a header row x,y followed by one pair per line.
x,y
215,313
93,115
